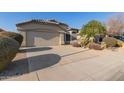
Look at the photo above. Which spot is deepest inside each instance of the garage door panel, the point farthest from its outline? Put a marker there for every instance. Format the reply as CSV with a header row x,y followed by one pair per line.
x,y
43,39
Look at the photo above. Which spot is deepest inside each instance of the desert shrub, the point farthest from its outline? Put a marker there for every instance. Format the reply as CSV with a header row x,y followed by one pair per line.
x,y
95,46
119,43
123,45
110,41
8,49
91,39
18,37
75,43
84,40
103,45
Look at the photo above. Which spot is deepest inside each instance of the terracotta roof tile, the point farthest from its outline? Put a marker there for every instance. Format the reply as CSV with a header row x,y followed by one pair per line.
x,y
40,21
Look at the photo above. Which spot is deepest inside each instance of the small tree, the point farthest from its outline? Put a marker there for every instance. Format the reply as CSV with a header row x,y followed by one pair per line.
x,y
90,31
93,28
115,25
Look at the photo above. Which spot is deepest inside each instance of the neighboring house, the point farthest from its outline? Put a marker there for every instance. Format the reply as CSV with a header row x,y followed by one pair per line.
x,y
73,33
45,32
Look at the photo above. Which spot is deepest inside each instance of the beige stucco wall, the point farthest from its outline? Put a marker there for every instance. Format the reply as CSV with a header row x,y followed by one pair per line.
x,y
61,39
34,26
24,37
41,35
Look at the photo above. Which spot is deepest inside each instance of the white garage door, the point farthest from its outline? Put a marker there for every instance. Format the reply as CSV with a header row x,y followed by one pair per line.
x,y
42,39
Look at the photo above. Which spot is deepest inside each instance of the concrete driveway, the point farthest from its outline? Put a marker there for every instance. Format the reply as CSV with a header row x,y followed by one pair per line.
x,y
70,63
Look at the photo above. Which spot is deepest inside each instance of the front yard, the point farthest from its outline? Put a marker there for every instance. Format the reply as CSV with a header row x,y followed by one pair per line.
x,y
66,63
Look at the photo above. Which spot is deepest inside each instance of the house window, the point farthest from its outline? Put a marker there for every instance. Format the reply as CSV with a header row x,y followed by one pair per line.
x,y
67,37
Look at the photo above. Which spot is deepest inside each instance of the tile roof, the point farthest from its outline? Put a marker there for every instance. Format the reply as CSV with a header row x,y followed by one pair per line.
x,y
40,21
73,29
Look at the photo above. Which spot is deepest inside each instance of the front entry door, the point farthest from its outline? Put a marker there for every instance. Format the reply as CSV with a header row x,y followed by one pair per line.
x,y
67,38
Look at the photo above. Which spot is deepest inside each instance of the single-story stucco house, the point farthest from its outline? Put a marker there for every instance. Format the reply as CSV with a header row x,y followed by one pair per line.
x,y
45,33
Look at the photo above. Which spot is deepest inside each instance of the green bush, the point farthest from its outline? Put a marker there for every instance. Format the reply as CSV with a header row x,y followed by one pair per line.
x,y
13,35
110,41
8,49
93,28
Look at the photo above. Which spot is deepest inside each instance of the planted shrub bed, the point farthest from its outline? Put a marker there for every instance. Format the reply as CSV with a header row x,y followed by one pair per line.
x,y
9,46
112,42
8,49
95,46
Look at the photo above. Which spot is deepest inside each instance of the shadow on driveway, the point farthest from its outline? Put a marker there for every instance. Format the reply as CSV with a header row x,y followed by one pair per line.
x,y
25,65
34,49
21,66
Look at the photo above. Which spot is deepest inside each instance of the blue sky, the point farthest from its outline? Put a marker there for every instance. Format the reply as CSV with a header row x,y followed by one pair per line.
x,y
73,19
